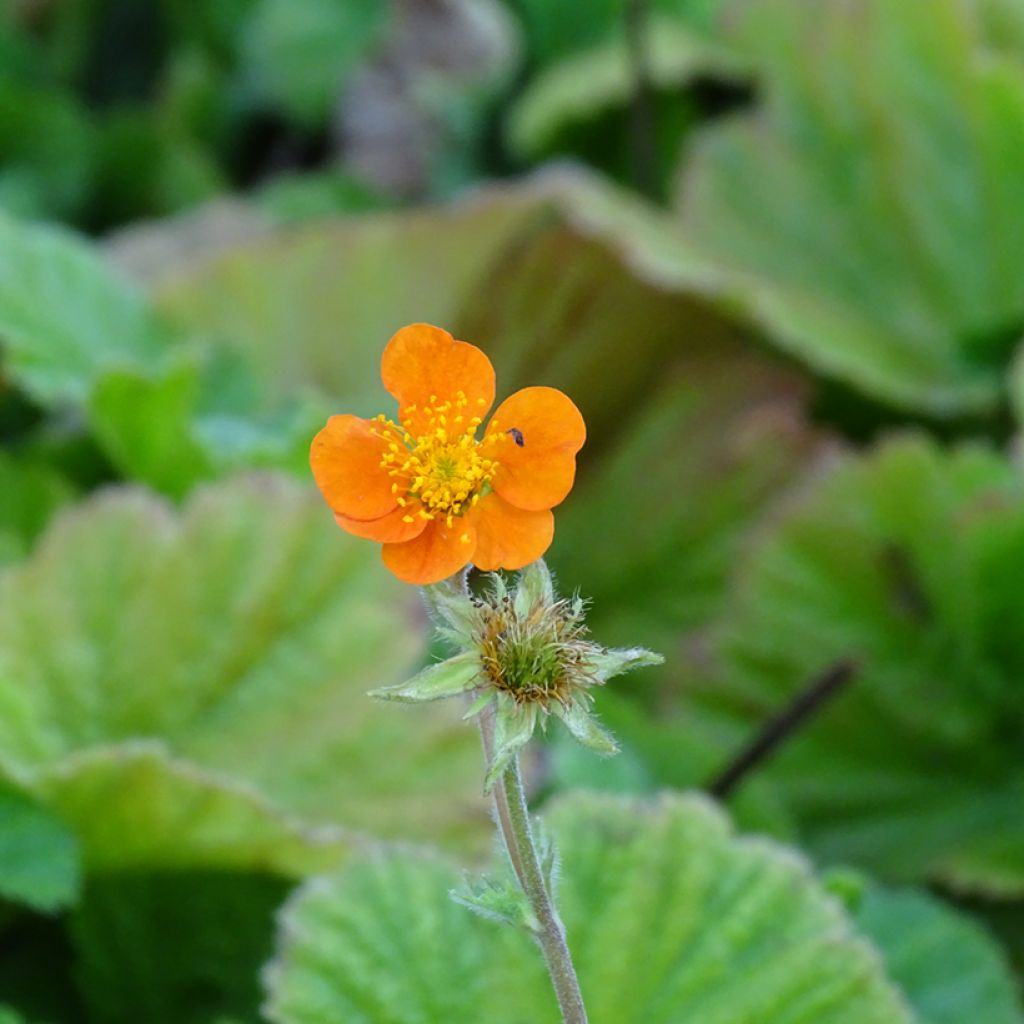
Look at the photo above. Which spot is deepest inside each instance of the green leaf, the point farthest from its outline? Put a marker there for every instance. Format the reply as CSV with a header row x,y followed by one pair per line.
x,y
38,854
174,949
133,807
584,86
64,318
32,492
910,561
298,53
949,967
146,424
46,152
236,641
554,31
867,215
670,917
320,286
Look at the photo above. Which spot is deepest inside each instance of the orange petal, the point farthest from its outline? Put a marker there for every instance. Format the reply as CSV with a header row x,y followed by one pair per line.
x,y
346,461
421,361
436,554
388,529
507,537
537,460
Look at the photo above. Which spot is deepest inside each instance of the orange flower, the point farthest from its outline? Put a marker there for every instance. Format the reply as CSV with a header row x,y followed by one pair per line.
x,y
426,487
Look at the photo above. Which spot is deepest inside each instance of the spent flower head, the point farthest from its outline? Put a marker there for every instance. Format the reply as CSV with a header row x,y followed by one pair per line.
x,y
528,655
435,494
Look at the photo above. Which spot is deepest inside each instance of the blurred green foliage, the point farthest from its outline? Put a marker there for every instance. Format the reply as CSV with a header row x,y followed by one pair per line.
x,y
779,267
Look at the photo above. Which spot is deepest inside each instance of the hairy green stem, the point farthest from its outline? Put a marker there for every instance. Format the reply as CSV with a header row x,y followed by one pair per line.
x,y
513,818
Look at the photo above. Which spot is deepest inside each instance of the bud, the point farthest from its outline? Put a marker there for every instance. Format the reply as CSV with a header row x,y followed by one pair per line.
x,y
527,654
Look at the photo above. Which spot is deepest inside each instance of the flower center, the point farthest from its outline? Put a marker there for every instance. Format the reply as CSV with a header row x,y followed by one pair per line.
x,y
436,459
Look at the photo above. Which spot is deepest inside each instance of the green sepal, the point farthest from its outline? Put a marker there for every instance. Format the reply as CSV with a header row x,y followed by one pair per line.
x,y
513,726
445,679
618,660
483,700
536,588
582,724
451,608
497,900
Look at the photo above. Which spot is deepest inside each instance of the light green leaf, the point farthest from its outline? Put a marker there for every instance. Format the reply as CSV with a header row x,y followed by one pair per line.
x,y
145,423
867,216
949,967
135,807
39,863
910,561
64,317
670,916
241,635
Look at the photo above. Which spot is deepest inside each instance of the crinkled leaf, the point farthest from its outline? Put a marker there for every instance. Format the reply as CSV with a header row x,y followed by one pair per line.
x,y
134,807
320,287
910,561
39,858
867,216
670,917
950,968
242,634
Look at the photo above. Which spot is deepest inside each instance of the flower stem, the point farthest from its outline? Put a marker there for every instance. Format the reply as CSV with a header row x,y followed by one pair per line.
x,y
514,823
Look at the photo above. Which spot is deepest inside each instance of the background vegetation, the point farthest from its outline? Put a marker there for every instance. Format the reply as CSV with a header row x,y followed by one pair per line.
x,y
774,249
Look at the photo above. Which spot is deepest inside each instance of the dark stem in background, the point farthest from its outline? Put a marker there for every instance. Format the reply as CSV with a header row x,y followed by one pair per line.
x,y
641,114
781,727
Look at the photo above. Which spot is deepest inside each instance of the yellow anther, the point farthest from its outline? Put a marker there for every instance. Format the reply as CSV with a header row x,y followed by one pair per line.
x,y
408,519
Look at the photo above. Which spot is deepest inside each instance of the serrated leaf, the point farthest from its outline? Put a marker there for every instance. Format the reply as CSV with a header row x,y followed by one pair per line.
x,y
908,560
39,858
866,216
241,636
950,968
134,807
670,916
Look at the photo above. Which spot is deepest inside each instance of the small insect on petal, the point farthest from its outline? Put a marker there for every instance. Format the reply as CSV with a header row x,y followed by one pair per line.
x,y
517,436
